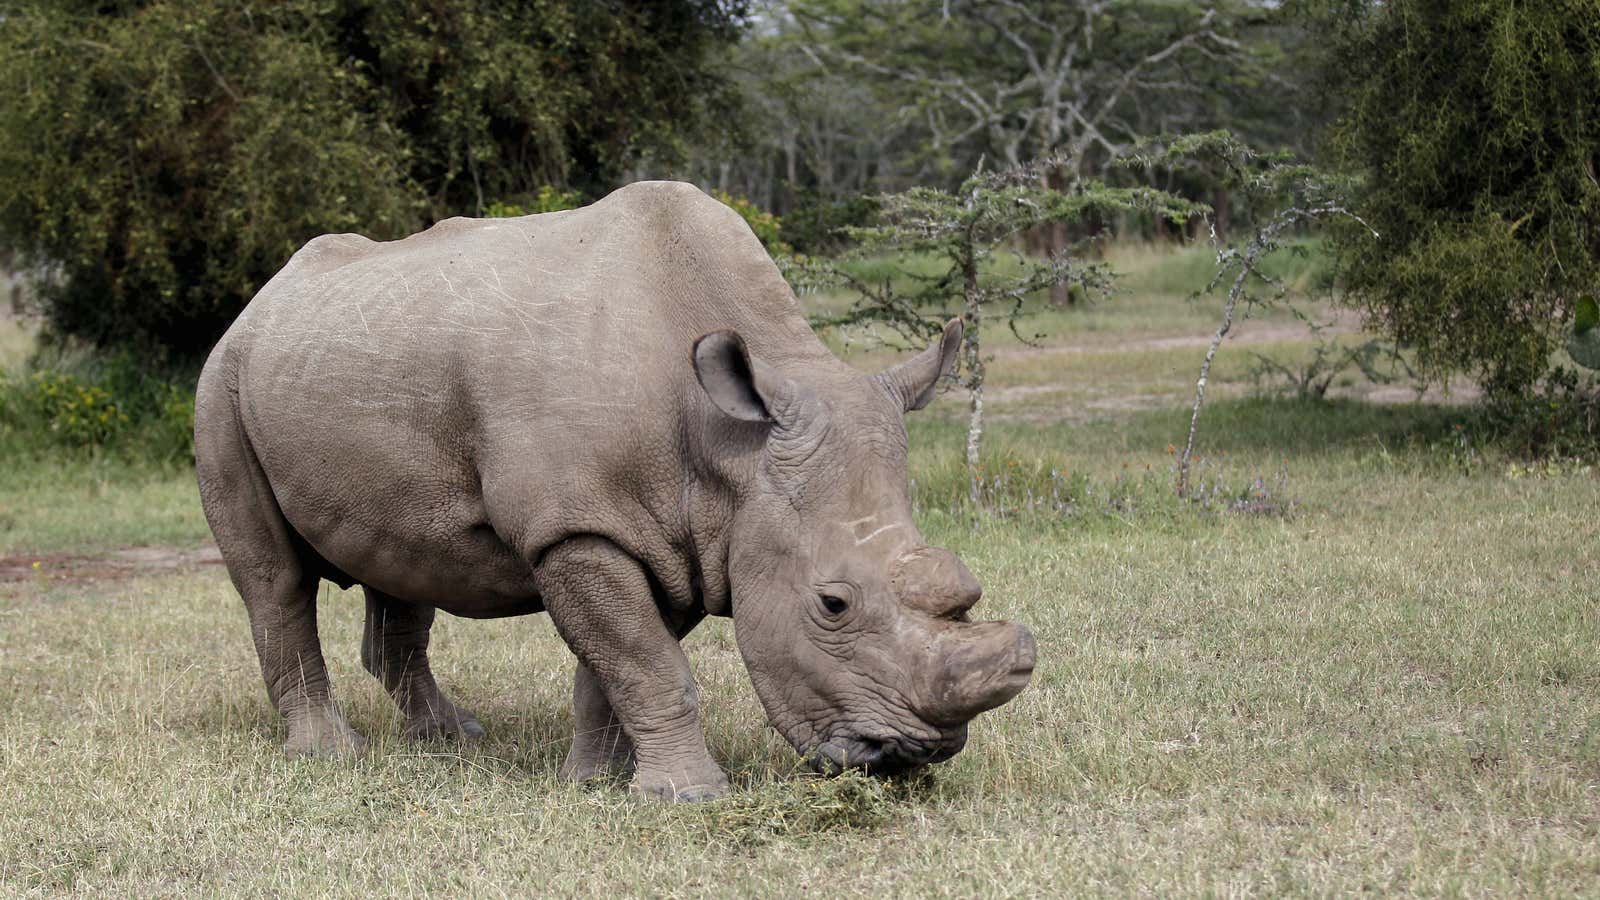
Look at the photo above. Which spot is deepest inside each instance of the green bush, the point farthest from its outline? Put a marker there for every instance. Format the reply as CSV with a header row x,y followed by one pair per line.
x,y
765,225
1475,126
163,159
78,414
100,406
1558,417
816,226
548,198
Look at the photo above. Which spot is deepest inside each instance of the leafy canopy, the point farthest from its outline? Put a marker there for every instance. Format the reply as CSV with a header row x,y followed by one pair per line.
x,y
162,159
1476,127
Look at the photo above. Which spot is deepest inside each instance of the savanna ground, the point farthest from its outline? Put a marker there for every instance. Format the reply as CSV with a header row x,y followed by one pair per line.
x,y
1370,662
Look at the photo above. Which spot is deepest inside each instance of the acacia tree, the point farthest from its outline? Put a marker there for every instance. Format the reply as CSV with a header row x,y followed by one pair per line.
x,y
967,231
1287,196
162,159
1020,81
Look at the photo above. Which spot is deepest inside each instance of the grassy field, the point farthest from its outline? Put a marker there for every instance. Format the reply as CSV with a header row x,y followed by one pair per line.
x,y
1369,663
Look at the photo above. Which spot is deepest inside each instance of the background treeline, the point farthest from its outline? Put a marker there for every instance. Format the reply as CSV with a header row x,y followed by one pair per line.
x,y
159,160
849,98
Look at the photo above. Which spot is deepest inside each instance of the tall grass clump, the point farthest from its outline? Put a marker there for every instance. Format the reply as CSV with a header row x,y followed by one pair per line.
x,y
802,807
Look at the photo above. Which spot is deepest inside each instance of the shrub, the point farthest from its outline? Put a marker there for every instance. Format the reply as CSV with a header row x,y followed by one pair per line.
x,y
548,198
105,405
765,225
163,159
1558,417
79,414
817,225
1476,127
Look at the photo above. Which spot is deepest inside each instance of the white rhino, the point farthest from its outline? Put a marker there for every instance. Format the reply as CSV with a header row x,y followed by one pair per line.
x,y
616,415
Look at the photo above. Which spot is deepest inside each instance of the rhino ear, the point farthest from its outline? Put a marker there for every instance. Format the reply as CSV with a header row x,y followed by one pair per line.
x,y
914,381
738,383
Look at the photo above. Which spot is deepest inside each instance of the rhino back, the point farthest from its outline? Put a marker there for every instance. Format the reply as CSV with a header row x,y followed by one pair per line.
x,y
431,411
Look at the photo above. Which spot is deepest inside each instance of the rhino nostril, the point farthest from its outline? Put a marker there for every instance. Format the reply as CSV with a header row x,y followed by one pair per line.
x,y
958,610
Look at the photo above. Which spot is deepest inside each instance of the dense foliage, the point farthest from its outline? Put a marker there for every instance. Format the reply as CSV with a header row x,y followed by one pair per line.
x,y
161,159
109,405
1476,126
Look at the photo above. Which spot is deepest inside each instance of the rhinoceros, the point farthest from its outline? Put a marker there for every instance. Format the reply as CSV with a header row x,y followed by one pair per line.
x,y
616,415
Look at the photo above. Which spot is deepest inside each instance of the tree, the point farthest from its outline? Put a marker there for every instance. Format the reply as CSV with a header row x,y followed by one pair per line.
x,y
1286,195
863,96
162,159
1475,126
1019,81
808,133
964,231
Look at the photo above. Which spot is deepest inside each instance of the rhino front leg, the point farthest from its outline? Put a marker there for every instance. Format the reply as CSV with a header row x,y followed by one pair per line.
x,y
394,648
600,601
599,745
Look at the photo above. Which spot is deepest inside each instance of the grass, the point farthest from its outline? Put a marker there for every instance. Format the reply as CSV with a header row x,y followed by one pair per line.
x,y
95,504
60,498
1390,683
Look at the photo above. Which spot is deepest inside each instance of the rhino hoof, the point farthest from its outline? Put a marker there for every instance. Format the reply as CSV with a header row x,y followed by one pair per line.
x,y
464,728
683,790
579,768
324,737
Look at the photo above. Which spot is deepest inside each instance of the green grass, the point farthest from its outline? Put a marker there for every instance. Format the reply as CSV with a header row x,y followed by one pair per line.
x,y
94,504
57,496
1389,683
1169,270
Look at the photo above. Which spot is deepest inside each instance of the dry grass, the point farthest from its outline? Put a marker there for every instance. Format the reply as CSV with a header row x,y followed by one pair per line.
x,y
1353,698
1393,687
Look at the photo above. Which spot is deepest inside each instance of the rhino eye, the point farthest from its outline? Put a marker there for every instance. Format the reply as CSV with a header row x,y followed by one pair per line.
x,y
834,605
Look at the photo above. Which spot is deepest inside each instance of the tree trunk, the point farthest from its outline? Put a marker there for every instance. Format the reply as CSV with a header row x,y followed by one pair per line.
x,y
1219,204
791,171
1061,292
1059,238
972,345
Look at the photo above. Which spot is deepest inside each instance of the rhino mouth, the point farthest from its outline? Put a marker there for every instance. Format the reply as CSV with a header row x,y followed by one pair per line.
x,y
887,755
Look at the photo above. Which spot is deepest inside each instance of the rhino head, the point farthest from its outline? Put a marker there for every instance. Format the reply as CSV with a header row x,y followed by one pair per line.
x,y
855,632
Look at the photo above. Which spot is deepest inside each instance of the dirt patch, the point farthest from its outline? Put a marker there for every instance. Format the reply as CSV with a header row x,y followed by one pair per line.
x,y
1058,401
126,563
1246,333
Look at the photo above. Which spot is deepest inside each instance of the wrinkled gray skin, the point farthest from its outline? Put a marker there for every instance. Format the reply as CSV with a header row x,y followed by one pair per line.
x,y
616,415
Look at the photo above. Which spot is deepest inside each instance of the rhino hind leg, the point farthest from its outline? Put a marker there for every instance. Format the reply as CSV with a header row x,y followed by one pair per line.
x,y
394,648
283,623
278,585
600,748
601,602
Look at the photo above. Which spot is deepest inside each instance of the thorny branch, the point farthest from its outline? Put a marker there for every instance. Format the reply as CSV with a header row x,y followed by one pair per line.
x,y
1248,261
